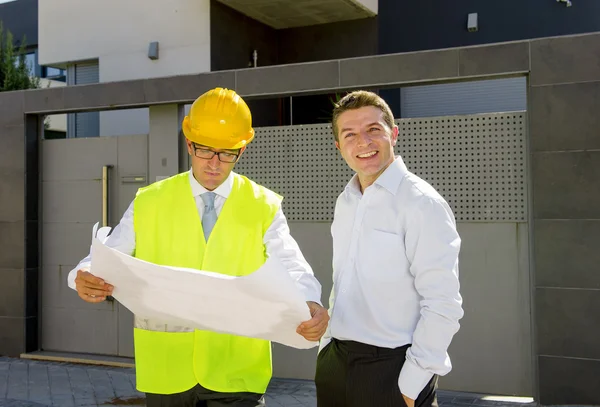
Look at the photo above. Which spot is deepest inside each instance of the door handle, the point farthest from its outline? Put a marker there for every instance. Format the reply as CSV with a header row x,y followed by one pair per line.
x,y
105,195
105,204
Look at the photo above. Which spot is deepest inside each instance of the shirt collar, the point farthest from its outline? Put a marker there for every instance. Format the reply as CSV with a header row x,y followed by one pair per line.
x,y
353,186
392,176
222,190
390,179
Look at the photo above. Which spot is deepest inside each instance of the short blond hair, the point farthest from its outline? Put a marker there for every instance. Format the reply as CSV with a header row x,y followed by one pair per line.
x,y
356,100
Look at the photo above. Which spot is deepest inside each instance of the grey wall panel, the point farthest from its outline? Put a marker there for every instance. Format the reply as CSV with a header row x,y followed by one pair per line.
x,y
398,68
484,96
494,281
12,303
555,390
494,59
568,323
82,201
314,239
12,241
89,330
70,160
56,293
566,251
13,151
565,117
568,59
163,144
566,185
65,242
12,182
12,335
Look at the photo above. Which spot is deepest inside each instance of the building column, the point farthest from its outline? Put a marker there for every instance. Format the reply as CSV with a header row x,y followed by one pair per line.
x,y
565,160
165,142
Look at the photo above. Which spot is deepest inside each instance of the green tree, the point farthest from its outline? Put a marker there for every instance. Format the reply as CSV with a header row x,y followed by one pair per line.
x,y
14,72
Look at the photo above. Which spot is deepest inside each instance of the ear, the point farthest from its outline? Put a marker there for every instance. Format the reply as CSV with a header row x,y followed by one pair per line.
x,y
190,148
395,132
337,145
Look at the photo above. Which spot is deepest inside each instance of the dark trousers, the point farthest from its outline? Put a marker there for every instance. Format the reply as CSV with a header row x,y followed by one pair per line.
x,y
200,397
353,374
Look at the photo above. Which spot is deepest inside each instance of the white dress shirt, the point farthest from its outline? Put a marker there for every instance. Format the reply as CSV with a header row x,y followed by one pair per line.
x,y
277,240
395,272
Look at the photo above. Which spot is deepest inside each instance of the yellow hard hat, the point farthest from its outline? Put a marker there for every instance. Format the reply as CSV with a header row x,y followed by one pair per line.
x,y
219,119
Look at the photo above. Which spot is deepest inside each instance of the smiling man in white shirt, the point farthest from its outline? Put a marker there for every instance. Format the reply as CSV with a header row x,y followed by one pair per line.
x,y
395,303
211,219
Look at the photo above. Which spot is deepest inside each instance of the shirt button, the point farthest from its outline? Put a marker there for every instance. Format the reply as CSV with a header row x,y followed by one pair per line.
x,y
344,290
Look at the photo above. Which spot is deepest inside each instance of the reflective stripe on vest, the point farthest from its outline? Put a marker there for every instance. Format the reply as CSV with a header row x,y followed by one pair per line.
x,y
173,359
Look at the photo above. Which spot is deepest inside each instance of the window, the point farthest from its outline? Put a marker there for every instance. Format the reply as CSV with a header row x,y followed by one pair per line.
x,y
30,61
49,72
483,96
55,74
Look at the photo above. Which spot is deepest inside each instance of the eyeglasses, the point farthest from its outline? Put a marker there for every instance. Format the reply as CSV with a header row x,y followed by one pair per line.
x,y
207,154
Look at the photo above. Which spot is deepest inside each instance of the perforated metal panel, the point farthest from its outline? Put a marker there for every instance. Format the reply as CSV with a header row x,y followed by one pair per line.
x,y
477,162
302,164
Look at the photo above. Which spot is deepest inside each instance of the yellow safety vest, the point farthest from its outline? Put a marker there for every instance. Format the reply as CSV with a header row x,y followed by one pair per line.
x,y
169,232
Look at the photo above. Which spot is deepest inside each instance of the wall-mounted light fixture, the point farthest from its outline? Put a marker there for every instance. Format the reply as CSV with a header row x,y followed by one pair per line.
x,y
567,2
153,50
472,22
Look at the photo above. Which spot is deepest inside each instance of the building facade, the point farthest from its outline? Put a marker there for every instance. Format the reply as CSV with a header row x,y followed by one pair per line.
x,y
520,300
20,18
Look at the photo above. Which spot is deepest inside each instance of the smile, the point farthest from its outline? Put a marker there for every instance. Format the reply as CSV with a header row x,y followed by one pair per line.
x,y
367,155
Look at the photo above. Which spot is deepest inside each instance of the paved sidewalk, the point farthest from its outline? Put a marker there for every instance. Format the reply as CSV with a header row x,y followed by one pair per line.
x,y
27,383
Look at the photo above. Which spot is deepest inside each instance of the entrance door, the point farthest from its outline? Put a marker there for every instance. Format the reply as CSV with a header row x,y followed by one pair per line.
x,y
73,201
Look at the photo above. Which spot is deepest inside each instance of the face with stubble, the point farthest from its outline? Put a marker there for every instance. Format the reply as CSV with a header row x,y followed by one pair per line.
x,y
366,142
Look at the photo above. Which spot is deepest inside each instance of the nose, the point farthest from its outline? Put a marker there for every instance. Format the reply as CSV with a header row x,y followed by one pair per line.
x,y
364,139
214,162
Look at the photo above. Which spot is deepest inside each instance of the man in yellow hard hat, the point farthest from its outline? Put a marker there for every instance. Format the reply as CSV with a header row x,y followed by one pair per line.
x,y
209,218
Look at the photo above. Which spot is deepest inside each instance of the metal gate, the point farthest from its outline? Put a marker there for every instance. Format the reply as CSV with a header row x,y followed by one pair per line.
x,y
73,201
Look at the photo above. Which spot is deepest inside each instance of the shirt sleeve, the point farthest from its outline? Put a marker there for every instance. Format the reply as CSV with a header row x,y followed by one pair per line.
x,y
432,247
122,239
279,243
